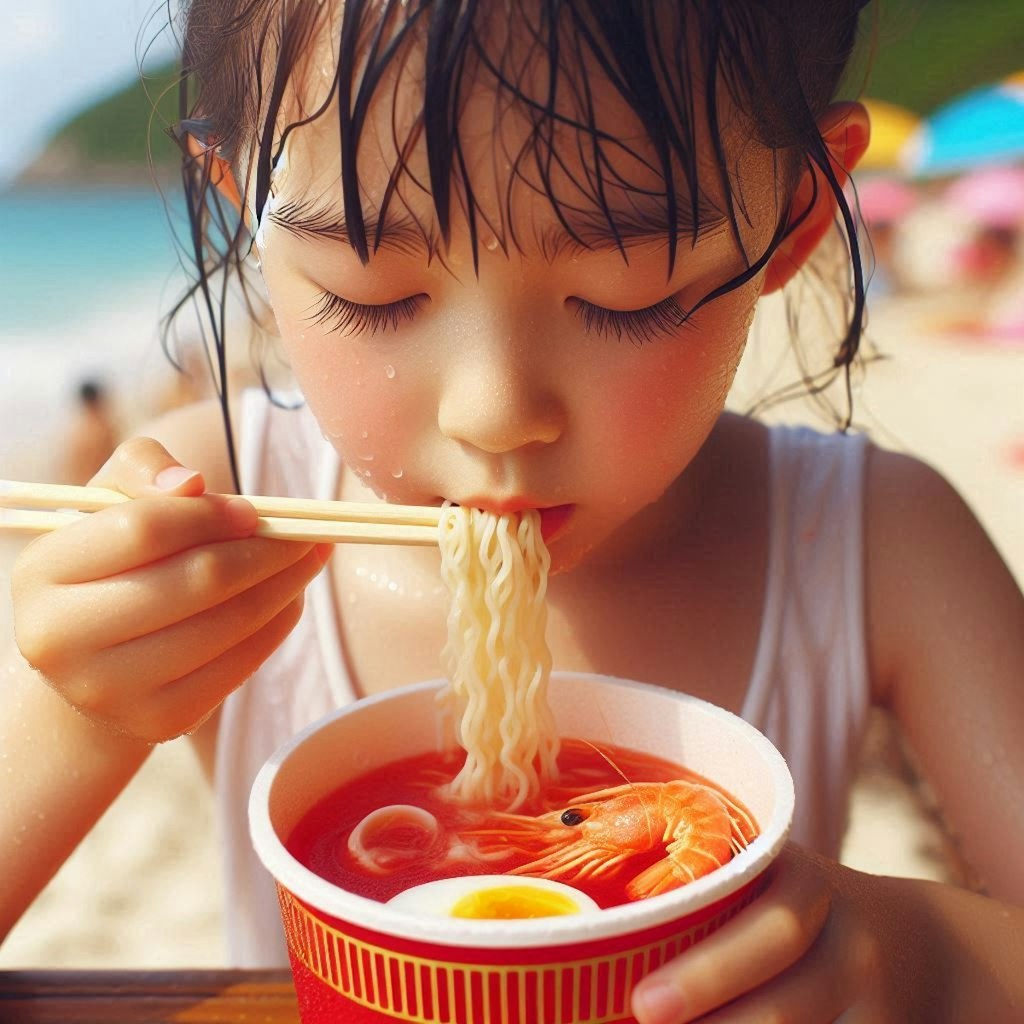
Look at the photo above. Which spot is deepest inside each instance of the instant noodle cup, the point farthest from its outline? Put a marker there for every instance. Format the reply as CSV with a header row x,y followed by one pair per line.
x,y
360,961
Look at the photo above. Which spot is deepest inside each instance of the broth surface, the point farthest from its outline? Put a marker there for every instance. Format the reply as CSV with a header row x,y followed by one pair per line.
x,y
321,839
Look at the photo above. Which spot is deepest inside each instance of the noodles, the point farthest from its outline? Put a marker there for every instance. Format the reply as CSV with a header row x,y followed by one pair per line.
x,y
496,569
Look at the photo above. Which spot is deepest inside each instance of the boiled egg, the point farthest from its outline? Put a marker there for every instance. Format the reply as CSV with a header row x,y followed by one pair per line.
x,y
493,897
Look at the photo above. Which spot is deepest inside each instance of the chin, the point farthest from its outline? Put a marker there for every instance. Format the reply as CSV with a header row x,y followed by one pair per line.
x,y
567,554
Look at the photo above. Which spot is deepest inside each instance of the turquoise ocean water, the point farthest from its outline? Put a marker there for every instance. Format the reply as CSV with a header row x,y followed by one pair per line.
x,y
66,252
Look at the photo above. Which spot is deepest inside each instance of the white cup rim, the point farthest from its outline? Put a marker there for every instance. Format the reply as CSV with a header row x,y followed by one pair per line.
x,y
640,915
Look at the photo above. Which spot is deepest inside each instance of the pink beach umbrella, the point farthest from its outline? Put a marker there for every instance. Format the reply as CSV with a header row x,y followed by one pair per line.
x,y
884,200
992,196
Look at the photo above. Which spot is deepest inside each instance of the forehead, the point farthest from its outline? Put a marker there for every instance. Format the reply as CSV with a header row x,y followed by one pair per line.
x,y
531,131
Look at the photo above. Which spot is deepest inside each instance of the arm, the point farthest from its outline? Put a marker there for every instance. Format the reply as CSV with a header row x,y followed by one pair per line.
x,y
133,625
946,639
946,622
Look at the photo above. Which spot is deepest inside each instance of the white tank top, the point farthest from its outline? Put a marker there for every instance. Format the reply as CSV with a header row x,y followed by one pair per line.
x,y
808,692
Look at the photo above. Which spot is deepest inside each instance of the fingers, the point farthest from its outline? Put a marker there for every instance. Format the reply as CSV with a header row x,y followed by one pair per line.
x,y
811,991
163,684
143,466
775,931
185,704
133,534
131,604
182,648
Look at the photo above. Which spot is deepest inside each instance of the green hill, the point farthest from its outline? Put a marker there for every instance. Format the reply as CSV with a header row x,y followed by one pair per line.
x,y
112,139
928,51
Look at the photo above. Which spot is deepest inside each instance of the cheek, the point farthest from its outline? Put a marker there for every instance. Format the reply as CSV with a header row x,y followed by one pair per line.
x,y
671,405
361,398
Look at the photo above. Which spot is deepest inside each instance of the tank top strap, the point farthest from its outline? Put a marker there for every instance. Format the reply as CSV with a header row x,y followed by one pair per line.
x,y
809,689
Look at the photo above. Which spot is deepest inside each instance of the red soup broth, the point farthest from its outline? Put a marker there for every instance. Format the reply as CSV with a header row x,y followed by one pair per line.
x,y
320,840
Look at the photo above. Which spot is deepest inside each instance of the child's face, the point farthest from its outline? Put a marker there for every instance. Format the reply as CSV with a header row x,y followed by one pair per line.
x,y
513,387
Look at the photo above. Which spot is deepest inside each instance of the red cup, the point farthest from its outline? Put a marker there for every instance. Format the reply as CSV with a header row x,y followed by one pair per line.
x,y
359,961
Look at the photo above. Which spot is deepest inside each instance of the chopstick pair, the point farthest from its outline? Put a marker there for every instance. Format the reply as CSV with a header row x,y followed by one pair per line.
x,y
26,508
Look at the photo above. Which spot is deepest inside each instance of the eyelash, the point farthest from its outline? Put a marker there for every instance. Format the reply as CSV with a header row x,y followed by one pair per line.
x,y
348,317
638,325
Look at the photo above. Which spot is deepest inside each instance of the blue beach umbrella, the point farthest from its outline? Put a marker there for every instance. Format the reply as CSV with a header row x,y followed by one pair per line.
x,y
984,126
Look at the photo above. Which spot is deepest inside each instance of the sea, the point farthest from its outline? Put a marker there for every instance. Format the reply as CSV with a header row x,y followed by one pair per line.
x,y
66,252
86,274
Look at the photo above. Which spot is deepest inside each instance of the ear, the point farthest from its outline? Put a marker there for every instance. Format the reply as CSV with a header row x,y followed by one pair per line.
x,y
846,129
221,176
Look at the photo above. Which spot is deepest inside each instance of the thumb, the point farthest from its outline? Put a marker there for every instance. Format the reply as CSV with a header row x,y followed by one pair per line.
x,y
142,466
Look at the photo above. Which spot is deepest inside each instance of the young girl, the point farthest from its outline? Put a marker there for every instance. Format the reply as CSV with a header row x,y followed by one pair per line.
x,y
513,250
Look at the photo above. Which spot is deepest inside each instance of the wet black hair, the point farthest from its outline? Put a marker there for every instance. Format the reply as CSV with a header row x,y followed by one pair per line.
x,y
777,62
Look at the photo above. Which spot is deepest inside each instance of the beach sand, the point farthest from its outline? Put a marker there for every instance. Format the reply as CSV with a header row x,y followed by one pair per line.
x,y
143,888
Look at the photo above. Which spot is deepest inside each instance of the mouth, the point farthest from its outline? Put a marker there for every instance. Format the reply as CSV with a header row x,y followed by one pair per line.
x,y
553,518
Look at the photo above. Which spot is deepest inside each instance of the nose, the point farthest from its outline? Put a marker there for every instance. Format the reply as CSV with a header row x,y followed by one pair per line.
x,y
500,396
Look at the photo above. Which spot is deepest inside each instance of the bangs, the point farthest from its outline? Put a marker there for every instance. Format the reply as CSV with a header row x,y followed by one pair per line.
x,y
554,85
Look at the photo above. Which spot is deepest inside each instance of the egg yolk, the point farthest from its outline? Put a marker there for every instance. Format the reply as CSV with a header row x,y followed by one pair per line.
x,y
513,901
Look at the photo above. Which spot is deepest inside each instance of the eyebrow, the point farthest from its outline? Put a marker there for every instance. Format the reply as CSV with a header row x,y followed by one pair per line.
x,y
646,222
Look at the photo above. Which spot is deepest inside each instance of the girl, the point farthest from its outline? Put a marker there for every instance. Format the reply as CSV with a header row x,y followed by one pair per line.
x,y
513,251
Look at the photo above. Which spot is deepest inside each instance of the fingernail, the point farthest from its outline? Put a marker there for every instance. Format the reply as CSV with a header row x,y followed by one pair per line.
x,y
242,515
172,477
658,1003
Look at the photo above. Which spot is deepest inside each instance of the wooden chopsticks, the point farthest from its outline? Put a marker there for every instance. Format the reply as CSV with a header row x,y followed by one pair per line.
x,y
26,508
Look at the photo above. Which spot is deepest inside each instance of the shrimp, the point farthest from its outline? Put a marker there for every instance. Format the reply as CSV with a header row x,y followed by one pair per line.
x,y
697,828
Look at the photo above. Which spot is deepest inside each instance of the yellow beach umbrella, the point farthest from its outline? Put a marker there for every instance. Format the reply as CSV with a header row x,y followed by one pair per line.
x,y
891,126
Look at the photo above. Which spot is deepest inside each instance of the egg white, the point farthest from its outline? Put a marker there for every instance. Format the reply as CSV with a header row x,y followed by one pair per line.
x,y
436,899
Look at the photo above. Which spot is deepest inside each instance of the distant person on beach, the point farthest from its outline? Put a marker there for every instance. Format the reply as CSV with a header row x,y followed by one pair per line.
x,y
91,435
514,253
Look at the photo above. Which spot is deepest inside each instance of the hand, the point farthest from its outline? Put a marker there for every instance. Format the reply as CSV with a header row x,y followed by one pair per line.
x,y
824,943
147,614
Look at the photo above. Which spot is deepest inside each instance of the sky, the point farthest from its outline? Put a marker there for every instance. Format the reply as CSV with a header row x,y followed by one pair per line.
x,y
59,56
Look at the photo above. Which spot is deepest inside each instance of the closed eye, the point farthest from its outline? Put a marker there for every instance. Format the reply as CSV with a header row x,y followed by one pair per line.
x,y
347,317
639,326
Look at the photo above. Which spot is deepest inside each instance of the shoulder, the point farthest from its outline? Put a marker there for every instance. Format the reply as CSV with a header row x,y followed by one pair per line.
x,y
195,436
933,576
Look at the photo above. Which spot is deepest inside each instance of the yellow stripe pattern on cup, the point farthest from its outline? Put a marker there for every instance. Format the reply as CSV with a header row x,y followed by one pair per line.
x,y
421,990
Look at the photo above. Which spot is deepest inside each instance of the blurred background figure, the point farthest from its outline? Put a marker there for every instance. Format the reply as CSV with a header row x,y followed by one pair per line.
x,y
91,436
993,257
944,208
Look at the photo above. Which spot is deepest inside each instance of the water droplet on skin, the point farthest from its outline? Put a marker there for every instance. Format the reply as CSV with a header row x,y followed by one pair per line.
x,y
389,372
364,435
491,244
365,458
397,474
393,587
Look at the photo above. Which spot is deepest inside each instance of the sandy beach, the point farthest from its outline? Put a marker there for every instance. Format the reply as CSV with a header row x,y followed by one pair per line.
x,y
143,888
